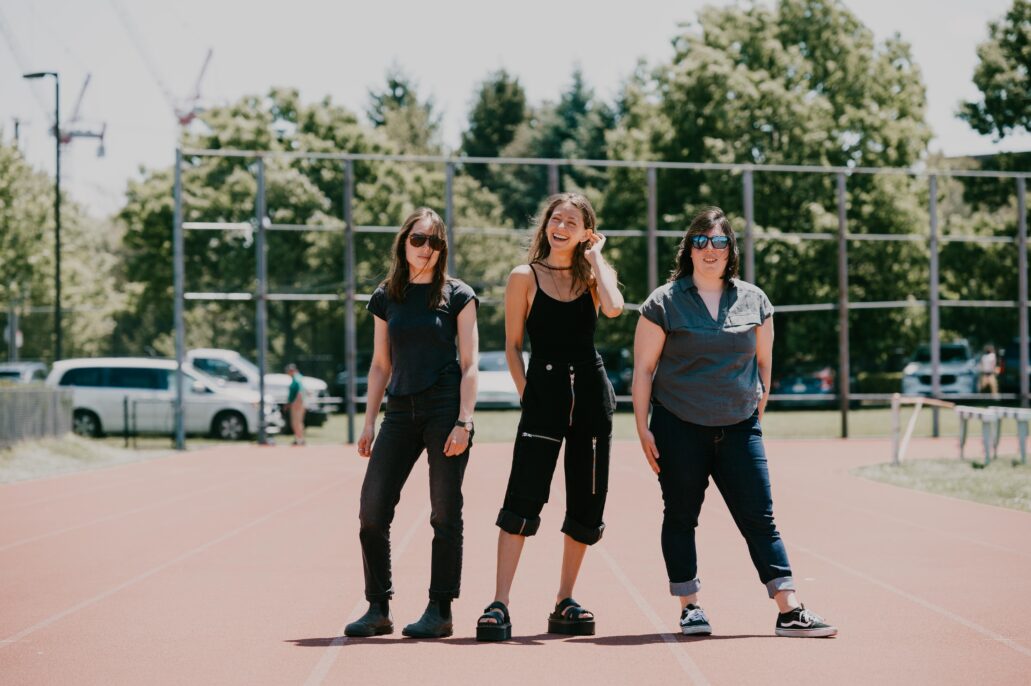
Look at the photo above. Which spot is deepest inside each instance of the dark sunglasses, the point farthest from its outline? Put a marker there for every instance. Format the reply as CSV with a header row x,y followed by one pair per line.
x,y
718,242
419,239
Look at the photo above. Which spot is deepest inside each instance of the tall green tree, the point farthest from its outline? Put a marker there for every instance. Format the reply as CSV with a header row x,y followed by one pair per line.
x,y
1003,75
411,122
572,128
801,82
88,266
299,191
499,108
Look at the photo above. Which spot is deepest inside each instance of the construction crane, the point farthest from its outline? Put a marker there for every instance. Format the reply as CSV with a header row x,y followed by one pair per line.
x,y
69,130
185,109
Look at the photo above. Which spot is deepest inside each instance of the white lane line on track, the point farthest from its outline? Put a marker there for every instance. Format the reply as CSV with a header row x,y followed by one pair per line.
x,y
50,499
984,631
926,604
678,650
118,515
165,565
332,652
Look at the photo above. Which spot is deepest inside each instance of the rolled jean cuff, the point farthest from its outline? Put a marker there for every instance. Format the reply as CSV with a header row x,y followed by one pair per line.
x,y
443,595
781,583
514,524
588,535
679,588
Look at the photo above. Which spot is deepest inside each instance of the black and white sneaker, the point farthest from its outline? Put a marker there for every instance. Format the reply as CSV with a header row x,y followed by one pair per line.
x,y
801,623
693,622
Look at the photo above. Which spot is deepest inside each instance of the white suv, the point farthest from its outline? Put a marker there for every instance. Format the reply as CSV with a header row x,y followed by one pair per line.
x,y
109,393
958,370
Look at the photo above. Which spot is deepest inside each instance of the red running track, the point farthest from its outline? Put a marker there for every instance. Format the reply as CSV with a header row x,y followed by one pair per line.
x,y
240,565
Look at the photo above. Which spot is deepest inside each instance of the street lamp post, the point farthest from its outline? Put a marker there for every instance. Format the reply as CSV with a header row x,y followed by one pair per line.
x,y
57,206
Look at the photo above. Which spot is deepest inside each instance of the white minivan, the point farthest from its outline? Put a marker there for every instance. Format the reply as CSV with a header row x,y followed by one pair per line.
x,y
108,393
236,371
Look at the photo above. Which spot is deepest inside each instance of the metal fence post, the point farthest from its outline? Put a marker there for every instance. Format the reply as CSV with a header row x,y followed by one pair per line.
x,y
552,179
12,327
259,221
844,371
180,334
749,202
350,337
1022,286
653,226
934,304
449,215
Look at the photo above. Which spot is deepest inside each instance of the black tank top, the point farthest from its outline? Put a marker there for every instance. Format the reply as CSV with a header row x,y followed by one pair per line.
x,y
561,331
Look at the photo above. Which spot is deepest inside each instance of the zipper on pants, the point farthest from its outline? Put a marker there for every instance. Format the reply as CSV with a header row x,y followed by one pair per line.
x,y
594,465
524,434
572,393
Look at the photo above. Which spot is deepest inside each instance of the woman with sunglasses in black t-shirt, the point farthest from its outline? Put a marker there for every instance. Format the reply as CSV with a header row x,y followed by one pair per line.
x,y
425,357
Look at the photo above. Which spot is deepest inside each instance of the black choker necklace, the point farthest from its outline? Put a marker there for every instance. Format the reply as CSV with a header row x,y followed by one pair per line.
x,y
557,269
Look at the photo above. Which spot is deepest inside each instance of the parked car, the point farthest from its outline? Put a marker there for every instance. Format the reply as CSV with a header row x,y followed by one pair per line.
x,y
239,372
619,366
811,388
101,387
496,388
22,372
1009,360
340,385
958,370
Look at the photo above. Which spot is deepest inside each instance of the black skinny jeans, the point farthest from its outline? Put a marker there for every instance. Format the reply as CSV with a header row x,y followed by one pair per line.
x,y
413,423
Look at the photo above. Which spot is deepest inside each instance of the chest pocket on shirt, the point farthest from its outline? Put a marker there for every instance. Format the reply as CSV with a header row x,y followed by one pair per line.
x,y
739,331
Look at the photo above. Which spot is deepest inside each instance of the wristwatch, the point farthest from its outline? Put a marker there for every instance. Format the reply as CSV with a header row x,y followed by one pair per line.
x,y
468,426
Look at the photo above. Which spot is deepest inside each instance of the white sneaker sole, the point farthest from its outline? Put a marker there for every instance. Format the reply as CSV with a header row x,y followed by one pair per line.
x,y
807,633
696,630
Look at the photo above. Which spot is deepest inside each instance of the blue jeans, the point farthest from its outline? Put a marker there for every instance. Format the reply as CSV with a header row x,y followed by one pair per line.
x,y
411,424
735,459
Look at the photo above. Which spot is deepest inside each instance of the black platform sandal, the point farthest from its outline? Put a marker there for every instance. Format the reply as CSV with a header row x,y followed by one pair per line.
x,y
498,630
571,619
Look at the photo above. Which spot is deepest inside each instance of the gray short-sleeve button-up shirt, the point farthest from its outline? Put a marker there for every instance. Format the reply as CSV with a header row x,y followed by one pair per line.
x,y
708,373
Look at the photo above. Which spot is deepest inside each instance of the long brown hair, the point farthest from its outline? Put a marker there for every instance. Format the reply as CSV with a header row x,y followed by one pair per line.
x,y
706,220
398,277
583,275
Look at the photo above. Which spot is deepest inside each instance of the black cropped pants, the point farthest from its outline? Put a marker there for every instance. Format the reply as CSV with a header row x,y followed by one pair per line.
x,y
569,403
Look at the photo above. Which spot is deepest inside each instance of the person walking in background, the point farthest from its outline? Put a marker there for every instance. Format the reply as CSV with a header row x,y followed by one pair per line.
x,y
566,396
295,403
989,368
703,355
425,350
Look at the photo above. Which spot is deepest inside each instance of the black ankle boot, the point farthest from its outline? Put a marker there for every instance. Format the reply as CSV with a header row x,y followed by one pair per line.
x,y
375,622
432,624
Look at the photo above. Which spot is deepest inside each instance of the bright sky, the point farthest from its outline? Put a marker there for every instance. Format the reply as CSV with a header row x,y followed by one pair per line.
x,y
344,48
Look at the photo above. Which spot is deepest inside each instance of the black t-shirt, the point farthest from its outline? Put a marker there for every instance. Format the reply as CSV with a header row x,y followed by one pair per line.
x,y
423,340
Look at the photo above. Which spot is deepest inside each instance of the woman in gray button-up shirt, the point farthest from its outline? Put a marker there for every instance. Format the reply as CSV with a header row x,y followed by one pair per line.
x,y
702,361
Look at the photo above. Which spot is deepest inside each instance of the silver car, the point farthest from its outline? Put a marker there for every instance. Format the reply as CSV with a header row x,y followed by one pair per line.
x,y
23,372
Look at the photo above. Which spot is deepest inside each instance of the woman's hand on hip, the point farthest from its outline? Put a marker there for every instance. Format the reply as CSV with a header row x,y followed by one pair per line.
x,y
651,451
365,441
457,442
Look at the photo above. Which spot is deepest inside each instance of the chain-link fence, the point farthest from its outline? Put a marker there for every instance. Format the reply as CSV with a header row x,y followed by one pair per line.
x,y
27,413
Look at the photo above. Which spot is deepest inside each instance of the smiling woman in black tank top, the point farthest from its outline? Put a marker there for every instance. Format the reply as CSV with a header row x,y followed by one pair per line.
x,y
566,397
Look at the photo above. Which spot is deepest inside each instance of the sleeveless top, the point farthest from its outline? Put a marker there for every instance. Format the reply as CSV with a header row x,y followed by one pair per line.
x,y
561,331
